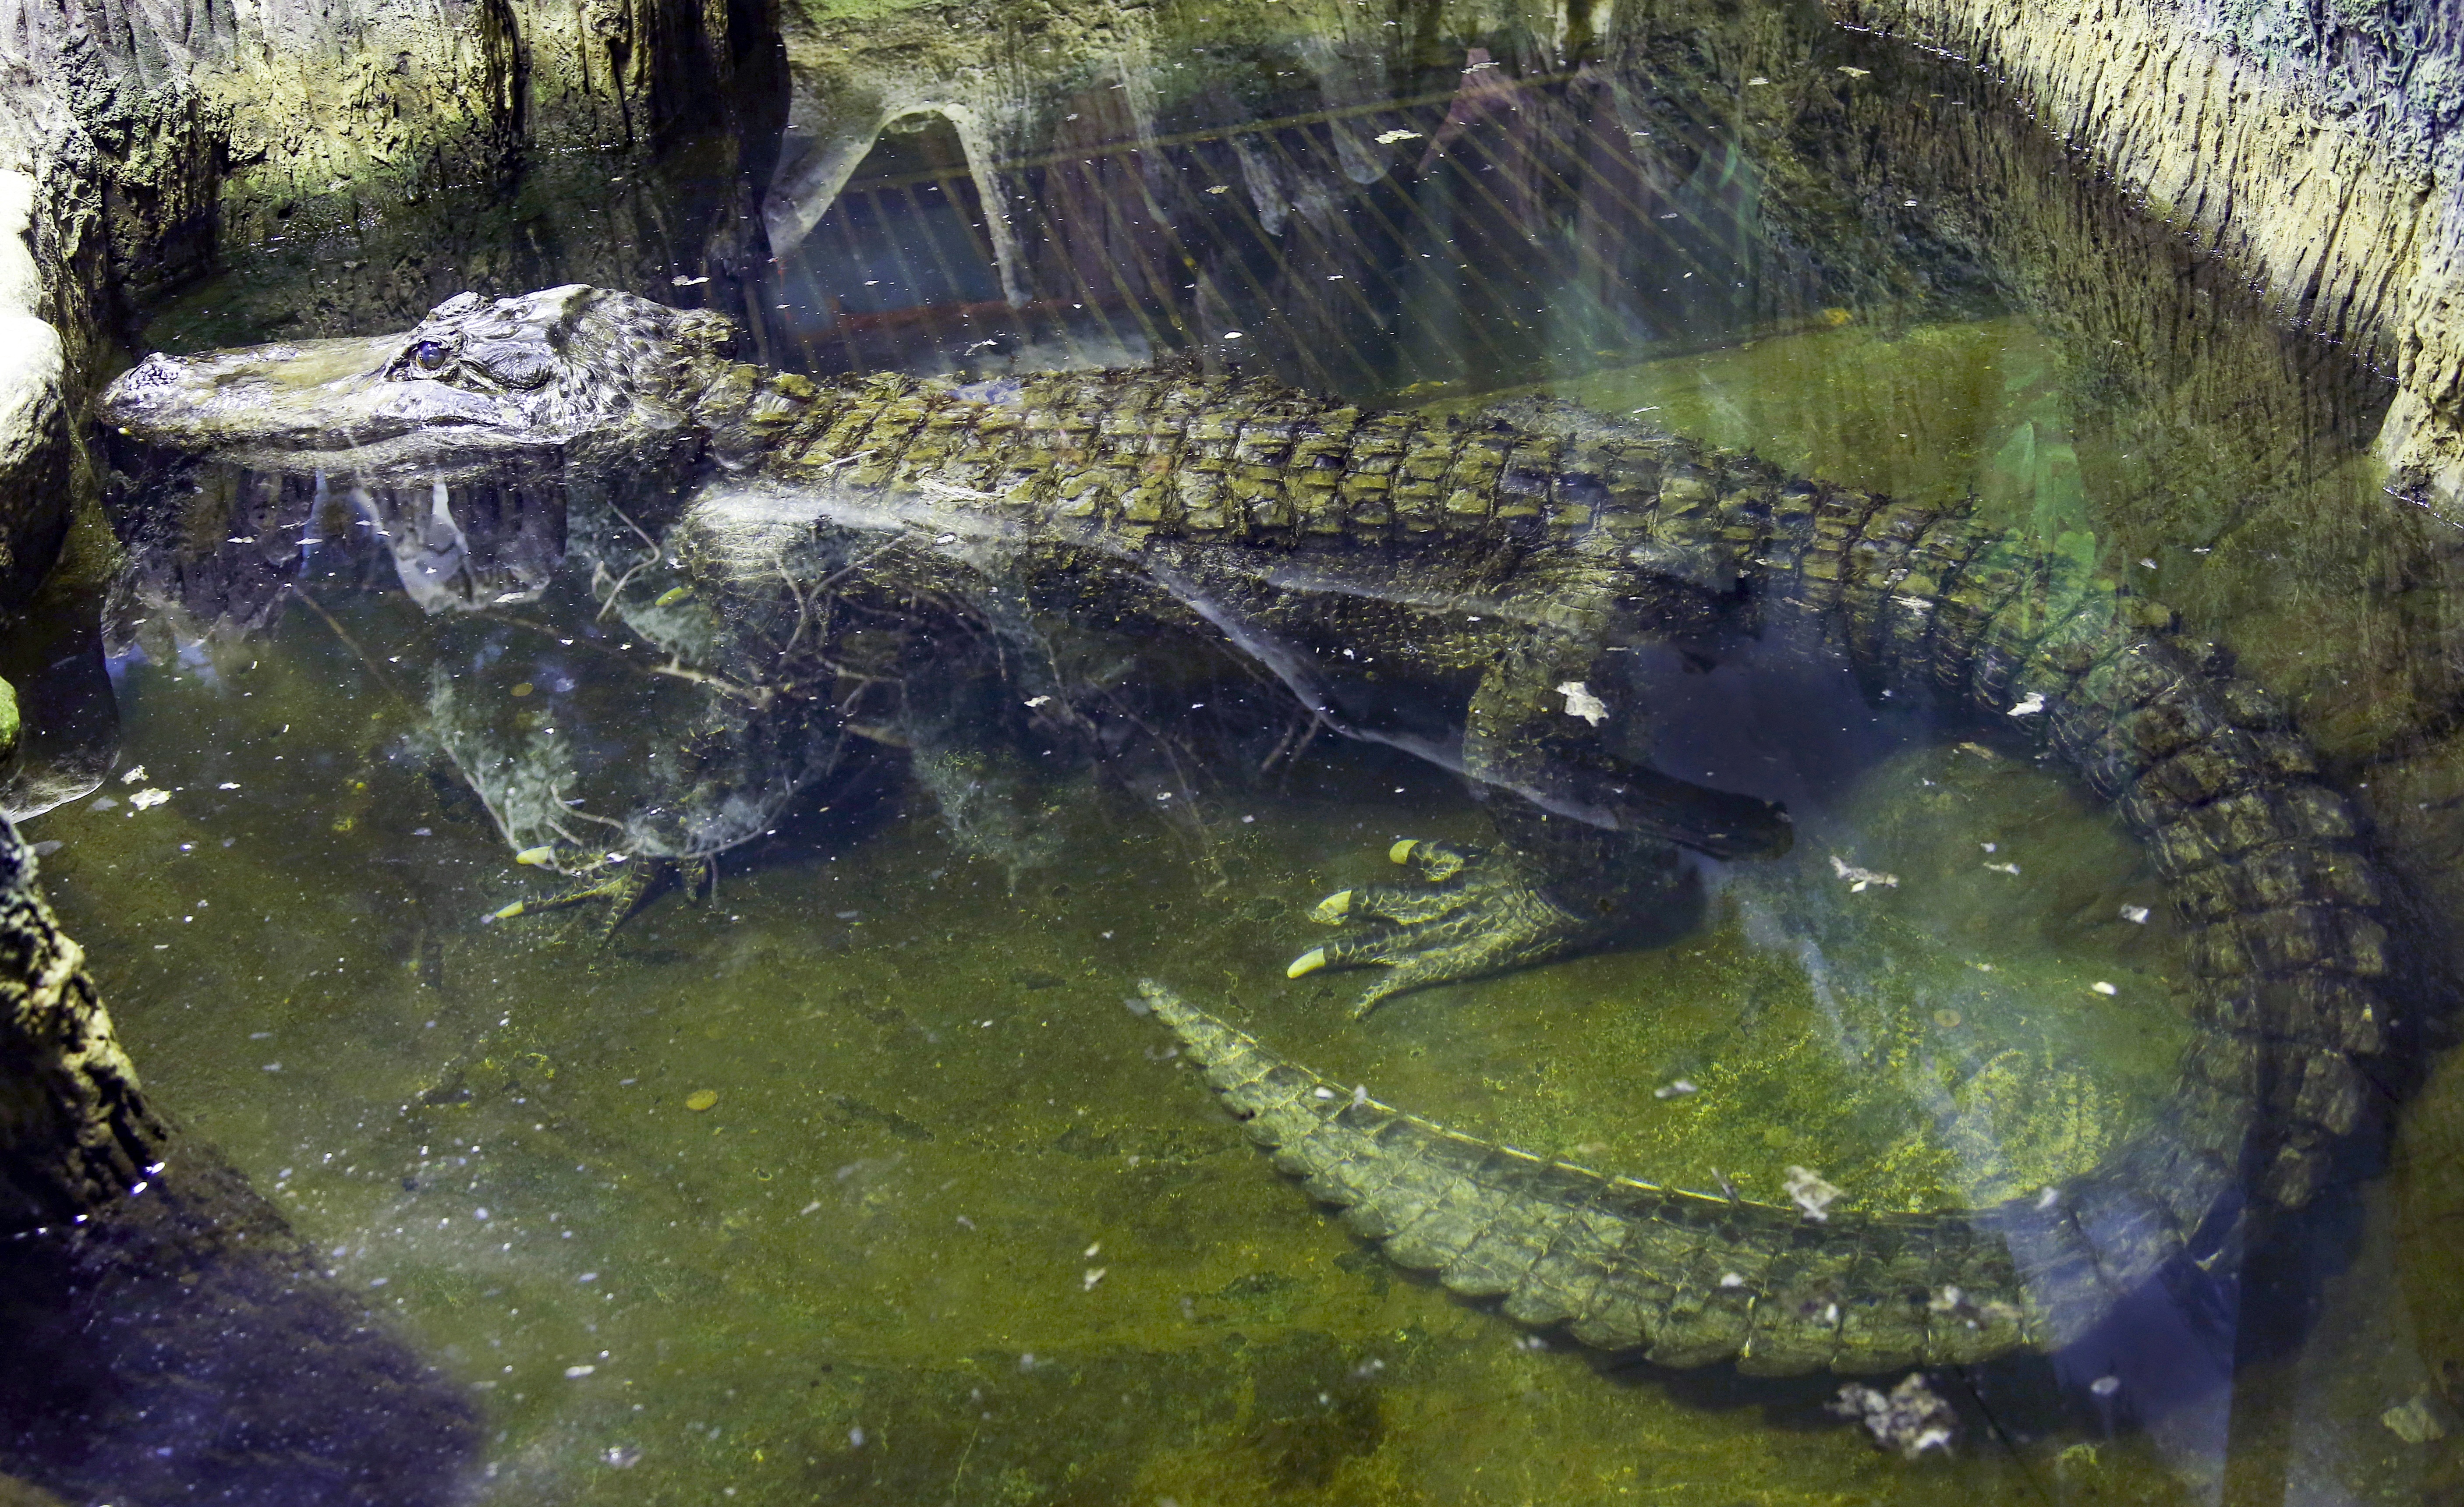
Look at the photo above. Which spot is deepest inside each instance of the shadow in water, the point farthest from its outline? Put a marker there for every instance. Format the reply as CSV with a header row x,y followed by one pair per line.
x,y
182,1345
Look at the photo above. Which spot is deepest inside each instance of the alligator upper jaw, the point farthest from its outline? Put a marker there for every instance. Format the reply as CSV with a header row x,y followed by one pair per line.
x,y
310,406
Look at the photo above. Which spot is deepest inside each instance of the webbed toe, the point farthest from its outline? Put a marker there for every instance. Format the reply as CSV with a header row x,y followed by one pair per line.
x,y
1463,913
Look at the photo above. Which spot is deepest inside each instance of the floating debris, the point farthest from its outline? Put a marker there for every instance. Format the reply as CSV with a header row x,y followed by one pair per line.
x,y
132,775
1810,1192
701,1098
1674,1090
680,280
1854,72
1582,702
2136,915
2004,869
574,1373
2105,1386
148,797
1859,878
1912,1417
1094,1275
1757,79
2103,988
2029,705
1390,138
2414,1422
623,1456
1219,189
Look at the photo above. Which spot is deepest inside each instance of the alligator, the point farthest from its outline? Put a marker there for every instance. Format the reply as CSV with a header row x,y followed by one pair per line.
x,y
1498,560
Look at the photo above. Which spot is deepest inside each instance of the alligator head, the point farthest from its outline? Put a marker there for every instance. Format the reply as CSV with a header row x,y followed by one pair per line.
x,y
576,374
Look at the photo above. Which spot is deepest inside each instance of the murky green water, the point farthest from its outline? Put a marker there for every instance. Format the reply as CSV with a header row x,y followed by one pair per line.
x,y
958,1227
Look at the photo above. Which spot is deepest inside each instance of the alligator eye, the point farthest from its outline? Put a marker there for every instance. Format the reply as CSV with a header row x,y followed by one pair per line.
x,y
429,355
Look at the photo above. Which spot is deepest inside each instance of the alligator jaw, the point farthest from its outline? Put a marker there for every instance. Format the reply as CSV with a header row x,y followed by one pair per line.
x,y
313,406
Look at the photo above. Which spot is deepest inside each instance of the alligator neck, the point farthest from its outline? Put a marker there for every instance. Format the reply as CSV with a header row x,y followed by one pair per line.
x,y
753,416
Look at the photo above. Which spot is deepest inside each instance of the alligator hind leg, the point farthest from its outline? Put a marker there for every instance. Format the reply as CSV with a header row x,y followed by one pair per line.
x,y
626,892
1467,912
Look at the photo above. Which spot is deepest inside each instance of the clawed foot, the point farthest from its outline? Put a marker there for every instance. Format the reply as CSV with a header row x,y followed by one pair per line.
x,y
625,891
1466,912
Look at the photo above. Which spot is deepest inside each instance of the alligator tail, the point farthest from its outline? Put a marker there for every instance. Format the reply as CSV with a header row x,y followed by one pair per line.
x,y
2266,875
1685,1277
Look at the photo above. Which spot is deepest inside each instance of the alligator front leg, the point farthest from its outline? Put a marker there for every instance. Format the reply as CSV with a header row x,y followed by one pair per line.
x,y
1467,913
1537,728
626,892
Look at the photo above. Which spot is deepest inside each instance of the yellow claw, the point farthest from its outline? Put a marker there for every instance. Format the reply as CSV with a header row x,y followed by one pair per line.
x,y
1401,852
672,596
1308,962
508,912
1334,907
536,857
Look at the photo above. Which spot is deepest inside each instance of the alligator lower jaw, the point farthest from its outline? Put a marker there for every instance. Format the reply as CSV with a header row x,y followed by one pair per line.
x,y
397,460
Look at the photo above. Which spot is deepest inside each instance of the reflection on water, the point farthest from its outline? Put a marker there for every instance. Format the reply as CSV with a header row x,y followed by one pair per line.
x,y
843,1172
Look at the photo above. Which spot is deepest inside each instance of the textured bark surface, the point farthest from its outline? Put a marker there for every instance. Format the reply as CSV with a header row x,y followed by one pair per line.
x,y
166,1335
2317,146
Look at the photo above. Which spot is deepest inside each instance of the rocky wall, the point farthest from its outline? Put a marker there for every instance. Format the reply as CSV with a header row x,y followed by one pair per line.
x,y
2316,146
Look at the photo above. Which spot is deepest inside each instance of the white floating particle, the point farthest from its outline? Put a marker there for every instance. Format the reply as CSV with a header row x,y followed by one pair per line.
x,y
2103,988
1805,1188
2004,869
2136,915
1582,702
148,797
134,774
1731,1279
2029,705
1094,1275
1674,1090
2105,1386
229,785
1854,72
1398,134
1860,878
